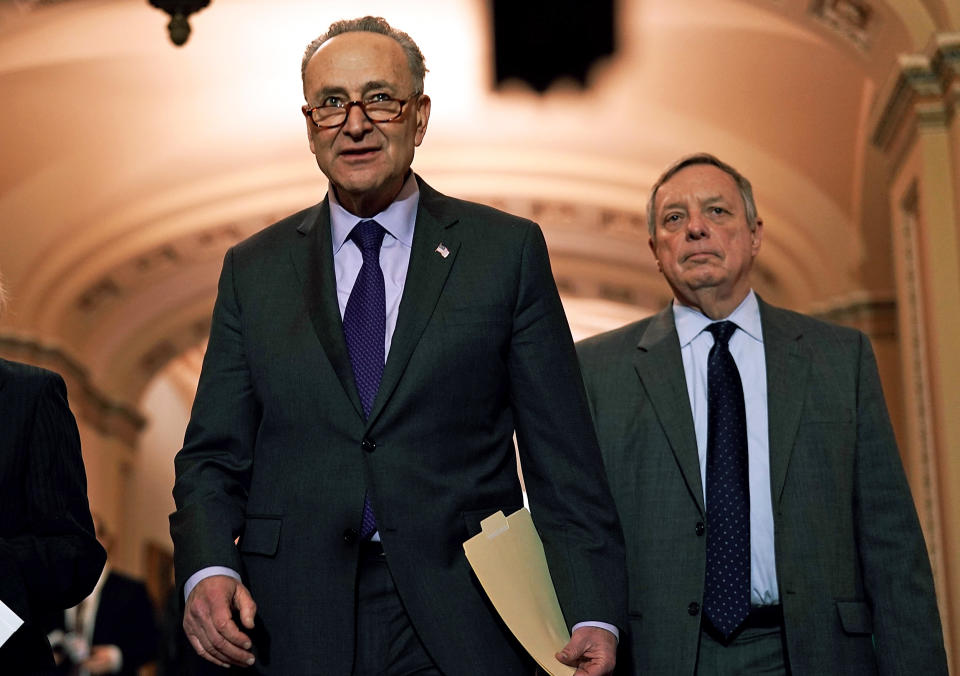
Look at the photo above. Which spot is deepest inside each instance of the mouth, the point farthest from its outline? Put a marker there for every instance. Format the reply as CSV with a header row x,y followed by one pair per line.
x,y
700,256
359,153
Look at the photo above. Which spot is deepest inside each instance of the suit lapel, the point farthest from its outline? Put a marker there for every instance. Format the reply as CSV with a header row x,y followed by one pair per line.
x,y
425,279
660,367
787,371
313,260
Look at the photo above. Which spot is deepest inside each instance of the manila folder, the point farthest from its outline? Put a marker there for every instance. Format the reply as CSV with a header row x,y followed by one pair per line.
x,y
507,557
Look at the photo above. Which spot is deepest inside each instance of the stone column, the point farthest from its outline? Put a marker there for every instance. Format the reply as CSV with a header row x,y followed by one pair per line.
x,y
917,127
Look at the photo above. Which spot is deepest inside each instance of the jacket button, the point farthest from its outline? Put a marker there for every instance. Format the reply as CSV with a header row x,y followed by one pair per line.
x,y
700,528
369,445
693,608
350,535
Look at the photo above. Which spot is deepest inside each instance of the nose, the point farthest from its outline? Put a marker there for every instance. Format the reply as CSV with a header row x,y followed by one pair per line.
x,y
357,125
697,227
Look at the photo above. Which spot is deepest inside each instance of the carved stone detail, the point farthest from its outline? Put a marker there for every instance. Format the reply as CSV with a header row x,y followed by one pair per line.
x,y
109,417
922,91
851,19
138,272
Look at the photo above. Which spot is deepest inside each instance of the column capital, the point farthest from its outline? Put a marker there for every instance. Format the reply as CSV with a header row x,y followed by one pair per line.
x,y
921,91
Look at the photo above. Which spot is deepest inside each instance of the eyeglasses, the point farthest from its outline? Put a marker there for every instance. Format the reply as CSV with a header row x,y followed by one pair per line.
x,y
384,109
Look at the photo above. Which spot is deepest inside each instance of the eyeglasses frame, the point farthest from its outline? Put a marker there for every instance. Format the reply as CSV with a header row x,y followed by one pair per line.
x,y
308,112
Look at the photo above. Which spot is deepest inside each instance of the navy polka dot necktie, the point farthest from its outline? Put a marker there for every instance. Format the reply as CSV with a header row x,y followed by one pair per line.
x,y
364,327
726,599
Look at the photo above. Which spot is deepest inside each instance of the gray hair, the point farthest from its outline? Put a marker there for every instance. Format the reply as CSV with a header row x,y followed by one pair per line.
x,y
372,24
743,185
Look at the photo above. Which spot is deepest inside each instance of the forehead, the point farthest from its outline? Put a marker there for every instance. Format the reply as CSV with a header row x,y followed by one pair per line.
x,y
351,60
698,183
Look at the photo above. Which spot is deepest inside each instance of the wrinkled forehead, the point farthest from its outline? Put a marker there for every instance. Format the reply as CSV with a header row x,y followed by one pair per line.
x,y
353,61
698,184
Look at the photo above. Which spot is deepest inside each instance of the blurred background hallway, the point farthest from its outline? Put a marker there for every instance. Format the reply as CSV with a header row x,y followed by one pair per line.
x,y
130,165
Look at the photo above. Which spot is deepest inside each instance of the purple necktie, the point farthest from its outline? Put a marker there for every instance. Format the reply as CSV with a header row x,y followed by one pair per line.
x,y
364,327
726,597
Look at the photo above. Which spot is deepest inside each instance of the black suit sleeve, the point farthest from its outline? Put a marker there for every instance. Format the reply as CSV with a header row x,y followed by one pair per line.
x,y
49,556
213,468
560,459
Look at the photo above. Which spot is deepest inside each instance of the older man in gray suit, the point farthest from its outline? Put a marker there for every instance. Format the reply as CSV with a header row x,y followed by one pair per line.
x,y
768,521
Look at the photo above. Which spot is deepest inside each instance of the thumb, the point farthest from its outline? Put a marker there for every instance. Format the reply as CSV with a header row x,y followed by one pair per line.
x,y
570,654
245,605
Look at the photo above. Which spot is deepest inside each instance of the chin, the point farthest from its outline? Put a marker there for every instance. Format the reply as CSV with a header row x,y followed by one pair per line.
x,y
704,281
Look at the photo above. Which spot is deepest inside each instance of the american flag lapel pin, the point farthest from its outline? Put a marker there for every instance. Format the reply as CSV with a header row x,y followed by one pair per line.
x,y
442,250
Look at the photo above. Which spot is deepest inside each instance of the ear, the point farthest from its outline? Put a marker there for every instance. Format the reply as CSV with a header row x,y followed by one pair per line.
x,y
653,248
423,116
311,127
756,237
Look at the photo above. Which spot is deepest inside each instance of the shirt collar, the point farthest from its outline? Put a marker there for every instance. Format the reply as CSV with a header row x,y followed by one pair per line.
x,y
397,219
690,322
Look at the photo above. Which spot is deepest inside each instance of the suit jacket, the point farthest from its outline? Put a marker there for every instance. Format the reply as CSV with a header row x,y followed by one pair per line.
x,y
125,618
49,556
853,572
278,452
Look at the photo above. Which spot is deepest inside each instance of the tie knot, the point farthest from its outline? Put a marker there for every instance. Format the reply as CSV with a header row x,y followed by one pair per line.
x,y
722,331
368,235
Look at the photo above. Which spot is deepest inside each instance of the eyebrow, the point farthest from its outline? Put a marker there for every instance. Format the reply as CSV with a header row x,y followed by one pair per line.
x,y
673,205
367,87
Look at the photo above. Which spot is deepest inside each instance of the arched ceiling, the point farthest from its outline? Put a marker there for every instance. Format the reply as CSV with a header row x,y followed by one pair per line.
x,y
130,165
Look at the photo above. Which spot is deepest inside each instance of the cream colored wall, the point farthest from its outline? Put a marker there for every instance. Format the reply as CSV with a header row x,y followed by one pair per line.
x,y
150,501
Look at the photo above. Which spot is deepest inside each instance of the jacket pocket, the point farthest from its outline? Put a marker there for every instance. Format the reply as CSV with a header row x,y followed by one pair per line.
x,y
261,535
855,617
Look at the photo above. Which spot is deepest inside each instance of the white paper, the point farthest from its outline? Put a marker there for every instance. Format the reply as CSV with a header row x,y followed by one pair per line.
x,y
9,622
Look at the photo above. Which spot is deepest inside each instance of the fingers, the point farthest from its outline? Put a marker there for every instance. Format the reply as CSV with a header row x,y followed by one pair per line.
x,y
246,606
592,650
208,621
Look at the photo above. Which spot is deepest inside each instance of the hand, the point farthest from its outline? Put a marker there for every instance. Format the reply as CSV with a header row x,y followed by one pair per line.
x,y
104,659
208,621
592,650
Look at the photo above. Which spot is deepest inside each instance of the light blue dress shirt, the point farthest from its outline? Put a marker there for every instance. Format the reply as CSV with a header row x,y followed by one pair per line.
x,y
746,346
398,220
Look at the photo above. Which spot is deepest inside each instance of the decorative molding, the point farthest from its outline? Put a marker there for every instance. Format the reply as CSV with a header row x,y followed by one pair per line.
x,y
109,417
916,380
173,346
921,92
571,215
18,11
144,269
874,314
851,19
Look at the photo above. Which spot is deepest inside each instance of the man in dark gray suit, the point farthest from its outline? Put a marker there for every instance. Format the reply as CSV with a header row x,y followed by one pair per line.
x,y
353,445
769,524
